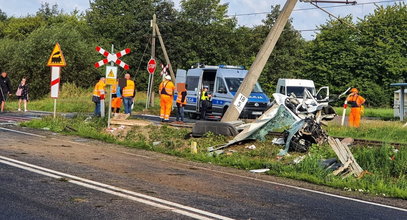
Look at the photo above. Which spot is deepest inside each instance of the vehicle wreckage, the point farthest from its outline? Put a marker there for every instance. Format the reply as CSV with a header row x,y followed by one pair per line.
x,y
301,121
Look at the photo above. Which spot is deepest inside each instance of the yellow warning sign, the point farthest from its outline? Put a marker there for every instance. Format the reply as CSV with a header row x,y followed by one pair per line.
x,y
56,58
111,74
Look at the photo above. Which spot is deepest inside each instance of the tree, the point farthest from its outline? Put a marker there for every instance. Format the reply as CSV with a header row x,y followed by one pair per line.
x,y
3,15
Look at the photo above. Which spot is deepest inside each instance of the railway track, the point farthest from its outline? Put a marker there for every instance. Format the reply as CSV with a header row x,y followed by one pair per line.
x,y
359,142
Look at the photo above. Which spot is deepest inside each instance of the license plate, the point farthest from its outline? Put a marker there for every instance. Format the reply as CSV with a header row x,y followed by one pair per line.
x,y
257,113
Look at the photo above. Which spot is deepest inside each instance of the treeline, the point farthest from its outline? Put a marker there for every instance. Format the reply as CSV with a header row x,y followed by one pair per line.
x,y
369,54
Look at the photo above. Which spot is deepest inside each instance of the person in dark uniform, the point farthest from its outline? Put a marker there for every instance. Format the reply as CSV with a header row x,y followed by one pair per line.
x,y
205,99
5,89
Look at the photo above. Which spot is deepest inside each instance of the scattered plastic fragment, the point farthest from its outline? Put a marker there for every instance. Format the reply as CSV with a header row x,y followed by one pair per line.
x,y
260,170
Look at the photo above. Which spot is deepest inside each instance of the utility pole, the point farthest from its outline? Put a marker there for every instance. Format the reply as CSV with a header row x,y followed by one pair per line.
x,y
150,90
241,97
167,59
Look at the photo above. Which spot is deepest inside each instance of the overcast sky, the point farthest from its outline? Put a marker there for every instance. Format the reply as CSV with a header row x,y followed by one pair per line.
x,y
303,19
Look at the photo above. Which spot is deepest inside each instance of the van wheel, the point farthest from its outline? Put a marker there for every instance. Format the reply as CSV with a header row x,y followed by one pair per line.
x,y
193,115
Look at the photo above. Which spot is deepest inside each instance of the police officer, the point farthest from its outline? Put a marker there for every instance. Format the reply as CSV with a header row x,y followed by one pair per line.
x,y
205,101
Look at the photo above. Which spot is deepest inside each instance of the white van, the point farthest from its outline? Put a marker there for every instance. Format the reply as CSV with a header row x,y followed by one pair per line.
x,y
297,86
223,82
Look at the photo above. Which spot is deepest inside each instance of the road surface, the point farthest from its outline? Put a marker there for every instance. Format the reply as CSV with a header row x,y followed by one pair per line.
x,y
51,176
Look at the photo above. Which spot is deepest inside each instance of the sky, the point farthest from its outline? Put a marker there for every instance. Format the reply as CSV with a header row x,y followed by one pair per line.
x,y
303,20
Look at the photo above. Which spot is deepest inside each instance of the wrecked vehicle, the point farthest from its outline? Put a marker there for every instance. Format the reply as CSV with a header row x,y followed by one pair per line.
x,y
301,120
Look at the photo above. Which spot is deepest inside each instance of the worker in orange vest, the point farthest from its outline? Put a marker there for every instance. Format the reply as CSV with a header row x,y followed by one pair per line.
x,y
355,101
116,98
129,92
181,102
166,90
98,95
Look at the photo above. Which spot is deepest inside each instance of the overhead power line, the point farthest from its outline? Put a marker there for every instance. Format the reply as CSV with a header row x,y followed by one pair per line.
x,y
334,6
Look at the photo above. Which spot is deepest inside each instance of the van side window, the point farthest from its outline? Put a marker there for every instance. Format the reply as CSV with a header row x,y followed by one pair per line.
x,y
282,90
192,82
220,85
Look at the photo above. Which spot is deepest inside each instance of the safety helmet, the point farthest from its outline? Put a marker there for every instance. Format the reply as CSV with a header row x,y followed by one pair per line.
x,y
206,87
354,90
167,77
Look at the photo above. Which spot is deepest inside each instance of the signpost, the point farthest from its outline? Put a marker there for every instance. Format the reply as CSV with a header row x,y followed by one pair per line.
x,y
151,67
56,61
111,72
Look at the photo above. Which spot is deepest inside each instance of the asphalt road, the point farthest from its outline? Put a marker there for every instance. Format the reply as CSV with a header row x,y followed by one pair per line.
x,y
231,193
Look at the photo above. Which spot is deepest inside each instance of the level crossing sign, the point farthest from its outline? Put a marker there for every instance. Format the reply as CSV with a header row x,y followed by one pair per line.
x,y
57,57
112,58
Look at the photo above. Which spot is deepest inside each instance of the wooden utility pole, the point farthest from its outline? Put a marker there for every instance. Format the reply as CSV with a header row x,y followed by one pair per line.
x,y
167,59
241,97
152,56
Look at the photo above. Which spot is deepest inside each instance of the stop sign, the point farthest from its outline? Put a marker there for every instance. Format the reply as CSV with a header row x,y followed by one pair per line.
x,y
151,66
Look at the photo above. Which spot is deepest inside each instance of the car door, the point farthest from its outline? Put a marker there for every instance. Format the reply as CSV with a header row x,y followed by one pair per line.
x,y
220,95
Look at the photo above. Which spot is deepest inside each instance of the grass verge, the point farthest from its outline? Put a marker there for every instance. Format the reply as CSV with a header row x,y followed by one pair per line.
x,y
387,165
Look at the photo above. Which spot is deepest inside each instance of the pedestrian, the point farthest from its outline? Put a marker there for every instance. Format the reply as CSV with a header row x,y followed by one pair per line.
x,y
116,98
355,101
5,89
129,92
166,90
181,102
205,102
22,94
98,95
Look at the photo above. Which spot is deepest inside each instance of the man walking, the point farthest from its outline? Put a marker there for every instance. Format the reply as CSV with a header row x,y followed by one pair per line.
x,y
181,102
129,92
166,90
355,101
98,95
5,89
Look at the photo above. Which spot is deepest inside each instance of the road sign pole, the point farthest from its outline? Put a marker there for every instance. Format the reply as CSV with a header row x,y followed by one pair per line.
x,y
110,97
55,108
257,67
151,100
148,91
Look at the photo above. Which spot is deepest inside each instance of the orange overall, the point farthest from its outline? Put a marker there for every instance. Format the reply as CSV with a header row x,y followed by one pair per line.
x,y
166,90
116,101
355,102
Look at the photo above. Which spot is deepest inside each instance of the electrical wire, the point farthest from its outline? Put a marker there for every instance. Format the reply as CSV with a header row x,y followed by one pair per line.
x,y
306,9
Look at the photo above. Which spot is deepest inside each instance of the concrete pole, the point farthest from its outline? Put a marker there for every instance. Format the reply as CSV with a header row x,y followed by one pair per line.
x,y
153,56
233,112
167,59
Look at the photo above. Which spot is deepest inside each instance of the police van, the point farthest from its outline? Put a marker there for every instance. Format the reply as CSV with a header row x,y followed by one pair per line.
x,y
223,82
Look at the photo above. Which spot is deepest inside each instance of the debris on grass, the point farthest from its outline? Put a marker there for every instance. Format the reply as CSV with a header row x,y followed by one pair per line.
x,y
251,147
260,170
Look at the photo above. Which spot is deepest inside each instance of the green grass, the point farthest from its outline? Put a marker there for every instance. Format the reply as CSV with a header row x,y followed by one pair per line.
x,y
388,166
386,131
382,113
76,99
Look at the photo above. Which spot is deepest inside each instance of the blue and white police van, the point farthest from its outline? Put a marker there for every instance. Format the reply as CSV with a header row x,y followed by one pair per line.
x,y
223,82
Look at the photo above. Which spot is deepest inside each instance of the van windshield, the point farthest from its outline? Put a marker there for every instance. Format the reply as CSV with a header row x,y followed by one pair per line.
x,y
299,90
234,84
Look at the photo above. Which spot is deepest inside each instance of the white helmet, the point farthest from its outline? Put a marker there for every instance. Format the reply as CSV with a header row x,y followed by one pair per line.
x,y
167,77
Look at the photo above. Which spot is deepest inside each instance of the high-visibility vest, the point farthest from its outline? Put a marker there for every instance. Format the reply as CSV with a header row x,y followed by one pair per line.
x,y
167,88
355,101
204,96
99,89
179,98
128,91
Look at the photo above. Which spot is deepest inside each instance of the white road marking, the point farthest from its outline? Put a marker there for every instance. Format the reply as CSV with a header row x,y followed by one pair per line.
x,y
22,132
265,181
138,197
